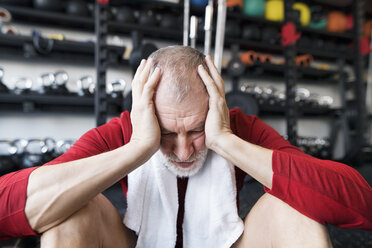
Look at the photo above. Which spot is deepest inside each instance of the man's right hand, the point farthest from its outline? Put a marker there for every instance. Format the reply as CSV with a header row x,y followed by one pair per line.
x,y
146,130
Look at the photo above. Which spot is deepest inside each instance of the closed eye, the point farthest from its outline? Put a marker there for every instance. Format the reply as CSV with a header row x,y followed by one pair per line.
x,y
196,131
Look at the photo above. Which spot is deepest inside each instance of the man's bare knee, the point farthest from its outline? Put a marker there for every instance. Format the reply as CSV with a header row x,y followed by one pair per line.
x,y
273,223
97,224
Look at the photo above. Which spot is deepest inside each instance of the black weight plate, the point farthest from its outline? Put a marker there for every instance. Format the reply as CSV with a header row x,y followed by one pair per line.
x,y
242,100
235,68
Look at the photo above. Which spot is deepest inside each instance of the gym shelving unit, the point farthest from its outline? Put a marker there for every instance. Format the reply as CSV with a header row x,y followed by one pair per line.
x,y
312,75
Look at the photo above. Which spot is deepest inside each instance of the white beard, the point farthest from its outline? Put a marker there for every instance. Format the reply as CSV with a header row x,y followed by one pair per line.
x,y
169,162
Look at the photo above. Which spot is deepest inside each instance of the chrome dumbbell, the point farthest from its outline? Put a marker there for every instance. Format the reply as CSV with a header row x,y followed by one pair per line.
x,y
62,146
47,83
85,86
116,88
23,85
3,87
38,151
61,79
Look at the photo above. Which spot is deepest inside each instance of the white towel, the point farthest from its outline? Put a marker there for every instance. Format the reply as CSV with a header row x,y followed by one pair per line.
x,y
211,217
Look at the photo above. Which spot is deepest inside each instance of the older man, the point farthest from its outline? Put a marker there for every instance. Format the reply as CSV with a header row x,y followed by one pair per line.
x,y
178,147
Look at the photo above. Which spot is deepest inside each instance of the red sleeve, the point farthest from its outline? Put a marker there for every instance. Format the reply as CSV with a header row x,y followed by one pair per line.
x,y
13,186
325,191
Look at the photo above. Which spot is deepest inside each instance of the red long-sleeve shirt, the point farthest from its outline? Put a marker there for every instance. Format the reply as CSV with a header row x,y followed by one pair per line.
x,y
323,190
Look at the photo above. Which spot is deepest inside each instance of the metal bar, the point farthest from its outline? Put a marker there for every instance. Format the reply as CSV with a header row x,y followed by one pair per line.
x,y
290,78
359,86
193,30
220,33
101,60
208,27
186,15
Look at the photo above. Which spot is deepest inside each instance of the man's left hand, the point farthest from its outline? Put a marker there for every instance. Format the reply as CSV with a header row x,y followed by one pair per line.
x,y
217,124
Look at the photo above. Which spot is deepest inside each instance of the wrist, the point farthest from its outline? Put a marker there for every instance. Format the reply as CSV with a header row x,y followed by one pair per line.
x,y
222,142
143,151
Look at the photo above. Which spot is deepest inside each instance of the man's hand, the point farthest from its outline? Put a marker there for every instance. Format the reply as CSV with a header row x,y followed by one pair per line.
x,y
146,130
217,124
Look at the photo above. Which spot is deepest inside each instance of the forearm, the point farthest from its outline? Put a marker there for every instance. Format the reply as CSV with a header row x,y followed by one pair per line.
x,y
54,192
254,160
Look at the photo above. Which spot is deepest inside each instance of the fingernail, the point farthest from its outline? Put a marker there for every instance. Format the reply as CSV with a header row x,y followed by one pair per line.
x,y
200,67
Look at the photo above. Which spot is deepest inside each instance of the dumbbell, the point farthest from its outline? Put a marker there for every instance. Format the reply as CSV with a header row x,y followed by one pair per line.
x,y
61,79
270,35
305,42
232,29
251,32
53,83
55,5
85,86
124,14
169,21
249,58
38,152
280,98
325,101
318,17
304,60
301,96
147,18
62,146
116,88
268,95
317,43
3,87
248,88
7,151
22,85
77,8
47,82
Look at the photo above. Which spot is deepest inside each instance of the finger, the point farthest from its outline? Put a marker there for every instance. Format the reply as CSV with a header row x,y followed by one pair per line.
x,y
215,74
144,76
135,81
149,88
208,82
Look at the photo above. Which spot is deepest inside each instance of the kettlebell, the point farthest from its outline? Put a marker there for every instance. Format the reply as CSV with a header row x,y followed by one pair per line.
x,y
201,3
251,32
274,10
318,43
367,27
318,18
254,8
77,8
124,14
50,5
305,13
270,35
232,29
147,18
337,22
168,21
304,41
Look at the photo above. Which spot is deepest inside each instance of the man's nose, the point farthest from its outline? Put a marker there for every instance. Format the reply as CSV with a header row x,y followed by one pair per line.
x,y
183,148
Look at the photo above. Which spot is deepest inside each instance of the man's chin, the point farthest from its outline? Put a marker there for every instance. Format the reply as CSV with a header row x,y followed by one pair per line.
x,y
182,170
185,169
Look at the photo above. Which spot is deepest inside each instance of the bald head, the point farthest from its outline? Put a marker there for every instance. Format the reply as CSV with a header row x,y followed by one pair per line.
x,y
180,80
